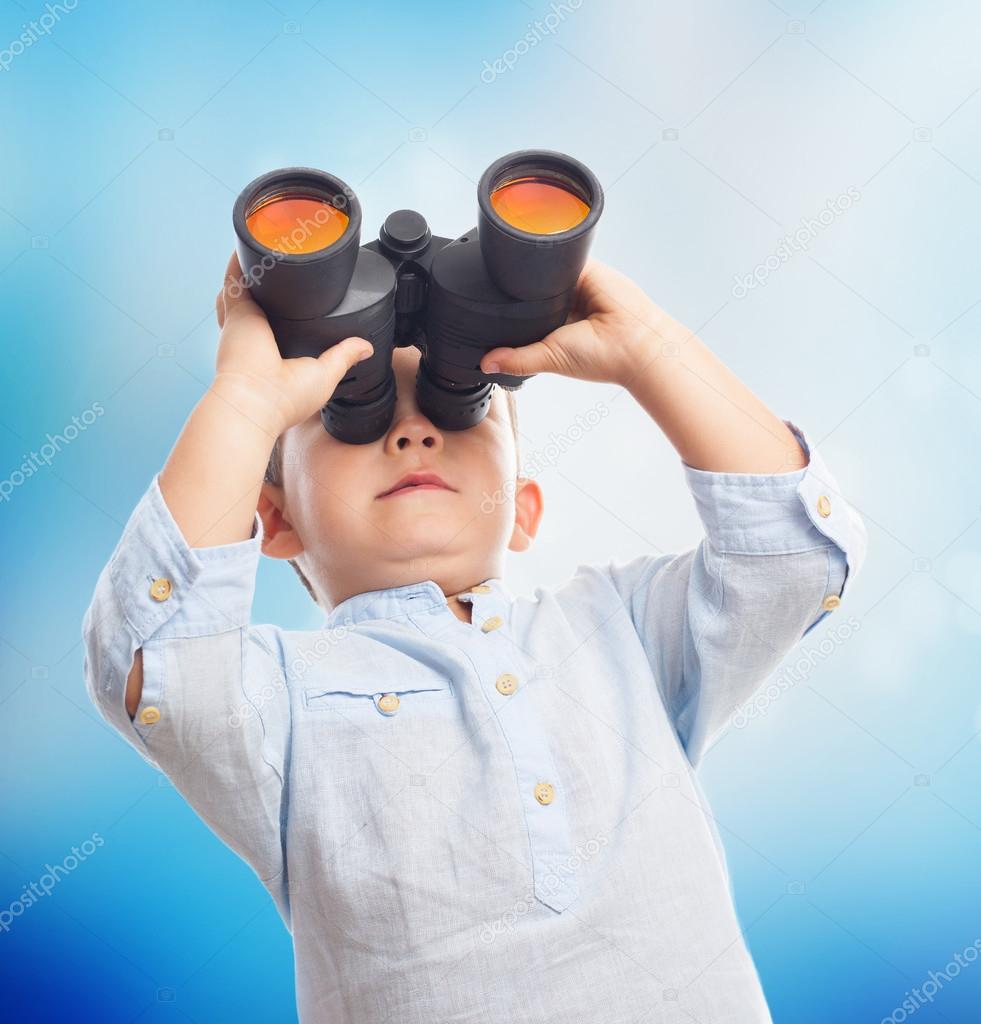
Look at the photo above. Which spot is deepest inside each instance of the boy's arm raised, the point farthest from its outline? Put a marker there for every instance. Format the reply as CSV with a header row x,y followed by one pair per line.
x,y
781,543
212,479
171,659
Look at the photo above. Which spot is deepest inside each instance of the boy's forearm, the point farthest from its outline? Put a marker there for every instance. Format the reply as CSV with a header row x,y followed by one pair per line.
x,y
714,421
212,478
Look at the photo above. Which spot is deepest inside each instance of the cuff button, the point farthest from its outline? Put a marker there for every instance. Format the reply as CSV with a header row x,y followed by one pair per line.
x,y
149,715
161,589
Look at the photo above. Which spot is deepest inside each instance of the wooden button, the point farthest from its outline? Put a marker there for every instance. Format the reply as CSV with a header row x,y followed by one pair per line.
x,y
506,683
494,622
388,704
824,506
831,602
149,715
481,588
161,588
544,792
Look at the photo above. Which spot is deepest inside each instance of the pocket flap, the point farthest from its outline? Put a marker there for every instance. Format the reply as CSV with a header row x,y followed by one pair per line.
x,y
348,684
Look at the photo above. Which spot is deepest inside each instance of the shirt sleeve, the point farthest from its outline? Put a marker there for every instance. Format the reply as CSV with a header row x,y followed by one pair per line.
x,y
214,711
778,555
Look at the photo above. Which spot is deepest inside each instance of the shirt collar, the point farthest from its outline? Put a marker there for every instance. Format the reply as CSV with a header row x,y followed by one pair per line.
x,y
422,596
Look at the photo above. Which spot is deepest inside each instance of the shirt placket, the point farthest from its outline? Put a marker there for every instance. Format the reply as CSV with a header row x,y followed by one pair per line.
x,y
505,681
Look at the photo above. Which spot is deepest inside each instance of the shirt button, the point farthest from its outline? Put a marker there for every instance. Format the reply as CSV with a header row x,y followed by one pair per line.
x,y
544,792
824,506
494,622
481,588
506,683
831,602
161,589
388,704
149,715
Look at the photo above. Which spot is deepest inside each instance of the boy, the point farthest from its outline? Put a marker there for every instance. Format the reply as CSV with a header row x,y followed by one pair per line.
x,y
467,805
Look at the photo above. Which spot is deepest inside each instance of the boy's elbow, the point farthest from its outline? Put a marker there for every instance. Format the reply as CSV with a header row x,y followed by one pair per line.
x,y
96,669
108,659
134,684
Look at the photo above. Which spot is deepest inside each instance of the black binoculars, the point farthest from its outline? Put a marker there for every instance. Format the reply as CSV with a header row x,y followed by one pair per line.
x,y
509,281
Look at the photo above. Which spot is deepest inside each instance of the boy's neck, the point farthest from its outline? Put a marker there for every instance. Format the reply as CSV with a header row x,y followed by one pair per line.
x,y
461,609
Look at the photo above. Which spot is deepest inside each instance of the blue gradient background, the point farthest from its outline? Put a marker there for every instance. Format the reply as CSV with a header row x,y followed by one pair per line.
x,y
851,810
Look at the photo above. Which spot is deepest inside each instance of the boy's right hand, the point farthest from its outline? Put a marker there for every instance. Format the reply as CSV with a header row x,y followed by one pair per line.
x,y
278,392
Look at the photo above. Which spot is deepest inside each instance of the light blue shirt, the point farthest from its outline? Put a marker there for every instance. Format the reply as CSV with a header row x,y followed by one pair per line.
x,y
494,821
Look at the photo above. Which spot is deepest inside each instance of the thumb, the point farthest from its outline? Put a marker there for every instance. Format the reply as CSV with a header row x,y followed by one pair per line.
x,y
312,381
539,357
234,299
339,358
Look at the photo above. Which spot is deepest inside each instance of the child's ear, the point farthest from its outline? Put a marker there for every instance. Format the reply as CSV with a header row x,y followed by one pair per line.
x,y
279,539
529,505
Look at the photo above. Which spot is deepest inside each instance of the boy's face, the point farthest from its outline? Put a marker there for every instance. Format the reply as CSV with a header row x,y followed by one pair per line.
x,y
348,535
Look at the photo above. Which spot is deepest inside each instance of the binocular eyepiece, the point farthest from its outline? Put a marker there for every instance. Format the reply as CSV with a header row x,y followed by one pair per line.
x,y
509,281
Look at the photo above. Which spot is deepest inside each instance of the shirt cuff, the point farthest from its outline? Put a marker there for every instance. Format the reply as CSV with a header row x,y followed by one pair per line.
x,y
167,588
779,513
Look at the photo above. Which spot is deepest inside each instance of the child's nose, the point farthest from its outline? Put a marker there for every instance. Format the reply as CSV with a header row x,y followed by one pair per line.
x,y
413,428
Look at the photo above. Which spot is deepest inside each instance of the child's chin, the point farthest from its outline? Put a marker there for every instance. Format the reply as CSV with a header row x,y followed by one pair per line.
x,y
429,530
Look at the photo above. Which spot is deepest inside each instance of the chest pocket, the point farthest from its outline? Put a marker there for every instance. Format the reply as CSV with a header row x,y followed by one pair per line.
x,y
376,693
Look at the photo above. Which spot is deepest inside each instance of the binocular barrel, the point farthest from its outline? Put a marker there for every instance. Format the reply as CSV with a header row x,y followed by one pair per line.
x,y
509,281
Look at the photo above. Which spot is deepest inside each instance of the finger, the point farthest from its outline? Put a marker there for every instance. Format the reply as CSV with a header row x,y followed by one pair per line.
x,y
235,297
539,357
339,358
577,313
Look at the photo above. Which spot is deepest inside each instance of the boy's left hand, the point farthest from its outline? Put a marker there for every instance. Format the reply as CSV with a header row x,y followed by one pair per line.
x,y
609,330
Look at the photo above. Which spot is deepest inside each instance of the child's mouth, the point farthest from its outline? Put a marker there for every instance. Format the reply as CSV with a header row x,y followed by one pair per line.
x,y
414,487
417,482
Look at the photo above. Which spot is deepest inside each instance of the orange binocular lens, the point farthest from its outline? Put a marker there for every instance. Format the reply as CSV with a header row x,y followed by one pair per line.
x,y
538,206
296,224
